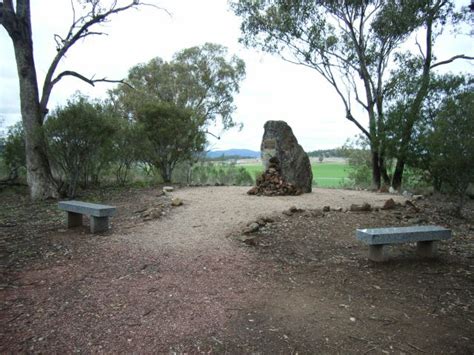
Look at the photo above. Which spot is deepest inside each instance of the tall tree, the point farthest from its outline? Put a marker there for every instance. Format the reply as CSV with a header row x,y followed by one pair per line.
x,y
34,105
203,79
195,89
173,134
350,43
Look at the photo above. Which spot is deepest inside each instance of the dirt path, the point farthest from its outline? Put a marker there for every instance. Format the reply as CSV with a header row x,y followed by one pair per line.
x,y
209,214
178,284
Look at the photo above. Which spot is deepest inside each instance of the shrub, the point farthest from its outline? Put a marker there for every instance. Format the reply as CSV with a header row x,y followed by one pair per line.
x,y
79,137
13,154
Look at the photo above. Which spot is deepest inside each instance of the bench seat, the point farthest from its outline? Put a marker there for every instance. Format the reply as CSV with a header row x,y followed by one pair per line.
x,y
424,236
99,214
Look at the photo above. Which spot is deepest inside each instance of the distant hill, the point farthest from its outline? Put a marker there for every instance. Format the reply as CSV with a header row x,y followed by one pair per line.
x,y
240,153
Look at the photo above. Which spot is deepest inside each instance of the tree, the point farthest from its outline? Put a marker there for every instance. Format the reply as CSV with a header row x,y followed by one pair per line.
x,y
79,141
351,44
34,106
451,144
174,134
128,147
400,96
201,79
197,87
14,152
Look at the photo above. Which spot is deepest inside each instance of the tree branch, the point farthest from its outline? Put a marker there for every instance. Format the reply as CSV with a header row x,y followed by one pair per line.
x,y
353,120
90,81
8,18
79,29
23,9
452,59
420,49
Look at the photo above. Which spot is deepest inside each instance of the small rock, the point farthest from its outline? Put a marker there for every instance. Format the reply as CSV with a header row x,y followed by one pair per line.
x,y
317,213
268,219
249,240
168,189
252,228
392,190
410,204
294,209
338,209
176,202
407,194
389,204
326,208
253,191
418,197
151,213
365,207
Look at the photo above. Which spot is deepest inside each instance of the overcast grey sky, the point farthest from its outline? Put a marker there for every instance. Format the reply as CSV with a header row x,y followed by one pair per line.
x,y
272,90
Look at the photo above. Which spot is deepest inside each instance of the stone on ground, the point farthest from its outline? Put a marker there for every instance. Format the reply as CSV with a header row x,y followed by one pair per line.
x,y
279,141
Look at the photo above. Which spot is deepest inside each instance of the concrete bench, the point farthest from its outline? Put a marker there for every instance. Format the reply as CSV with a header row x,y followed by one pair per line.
x,y
424,236
99,214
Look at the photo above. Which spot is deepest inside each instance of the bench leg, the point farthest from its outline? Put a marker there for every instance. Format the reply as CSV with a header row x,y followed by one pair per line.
x,y
426,249
377,253
74,219
99,224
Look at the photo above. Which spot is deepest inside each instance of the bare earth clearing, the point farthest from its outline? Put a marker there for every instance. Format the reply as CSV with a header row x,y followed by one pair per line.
x,y
184,282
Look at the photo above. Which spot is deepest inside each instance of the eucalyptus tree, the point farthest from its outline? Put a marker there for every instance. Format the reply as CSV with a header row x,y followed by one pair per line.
x,y
16,20
203,79
352,45
178,101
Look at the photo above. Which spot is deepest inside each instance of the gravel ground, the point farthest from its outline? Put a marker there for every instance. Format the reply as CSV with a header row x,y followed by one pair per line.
x,y
209,214
180,284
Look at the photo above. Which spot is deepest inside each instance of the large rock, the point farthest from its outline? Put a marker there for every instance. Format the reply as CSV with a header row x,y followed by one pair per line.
x,y
279,141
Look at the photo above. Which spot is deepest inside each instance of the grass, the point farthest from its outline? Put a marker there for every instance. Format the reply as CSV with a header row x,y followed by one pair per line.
x,y
325,174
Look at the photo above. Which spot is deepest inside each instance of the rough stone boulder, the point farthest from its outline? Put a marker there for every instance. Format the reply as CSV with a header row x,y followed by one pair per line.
x,y
279,141
271,183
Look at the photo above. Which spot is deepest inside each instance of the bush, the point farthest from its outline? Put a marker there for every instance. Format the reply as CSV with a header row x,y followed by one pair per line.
x,y
79,138
173,134
451,145
360,167
128,148
207,173
13,154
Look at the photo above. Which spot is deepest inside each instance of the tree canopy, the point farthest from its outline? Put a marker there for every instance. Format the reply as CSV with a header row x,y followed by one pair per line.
x,y
202,79
176,102
352,45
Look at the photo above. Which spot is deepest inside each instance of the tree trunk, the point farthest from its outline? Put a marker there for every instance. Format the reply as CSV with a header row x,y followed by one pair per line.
x,y
376,173
384,173
39,177
398,174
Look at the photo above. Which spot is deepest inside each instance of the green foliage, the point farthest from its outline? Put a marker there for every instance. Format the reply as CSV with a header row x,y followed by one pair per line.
x,y
352,44
13,154
173,134
359,159
173,103
451,144
333,153
201,79
222,174
80,137
129,147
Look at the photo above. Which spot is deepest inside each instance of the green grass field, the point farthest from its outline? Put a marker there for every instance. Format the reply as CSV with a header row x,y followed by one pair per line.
x,y
326,174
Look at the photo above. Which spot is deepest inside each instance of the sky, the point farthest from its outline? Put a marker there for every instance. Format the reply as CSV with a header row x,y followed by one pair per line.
x,y
272,90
